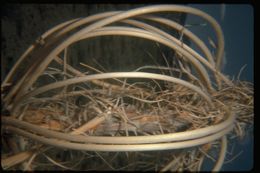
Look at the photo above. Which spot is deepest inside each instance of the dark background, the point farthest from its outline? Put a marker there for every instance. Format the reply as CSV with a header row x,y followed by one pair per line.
x,y
23,24
237,23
